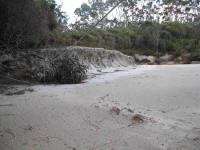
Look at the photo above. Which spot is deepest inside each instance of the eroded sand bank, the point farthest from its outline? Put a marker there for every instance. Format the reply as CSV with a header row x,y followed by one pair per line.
x,y
79,117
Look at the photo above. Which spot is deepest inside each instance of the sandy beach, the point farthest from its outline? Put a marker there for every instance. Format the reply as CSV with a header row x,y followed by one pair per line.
x,y
99,114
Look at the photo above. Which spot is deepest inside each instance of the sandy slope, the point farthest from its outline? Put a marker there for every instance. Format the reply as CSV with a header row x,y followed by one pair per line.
x,y
78,117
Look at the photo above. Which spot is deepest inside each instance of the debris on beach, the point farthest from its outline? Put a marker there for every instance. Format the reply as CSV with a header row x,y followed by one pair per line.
x,y
19,92
115,110
137,118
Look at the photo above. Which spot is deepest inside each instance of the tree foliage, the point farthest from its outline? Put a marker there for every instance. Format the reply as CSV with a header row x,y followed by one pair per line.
x,y
143,37
152,26
156,26
28,23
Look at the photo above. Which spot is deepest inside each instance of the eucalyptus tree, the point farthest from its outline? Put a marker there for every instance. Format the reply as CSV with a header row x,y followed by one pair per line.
x,y
181,10
84,13
98,11
126,12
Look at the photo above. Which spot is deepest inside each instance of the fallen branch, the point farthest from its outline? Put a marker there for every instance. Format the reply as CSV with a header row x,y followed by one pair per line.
x,y
25,82
7,105
35,55
5,67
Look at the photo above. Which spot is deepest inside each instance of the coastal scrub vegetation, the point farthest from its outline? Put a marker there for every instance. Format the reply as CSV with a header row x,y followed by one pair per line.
x,y
150,27
136,26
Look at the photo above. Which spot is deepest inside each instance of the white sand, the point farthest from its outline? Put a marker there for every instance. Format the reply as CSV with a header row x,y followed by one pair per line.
x,y
78,117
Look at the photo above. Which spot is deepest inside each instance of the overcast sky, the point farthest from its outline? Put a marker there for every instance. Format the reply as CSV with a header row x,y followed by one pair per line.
x,y
69,6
